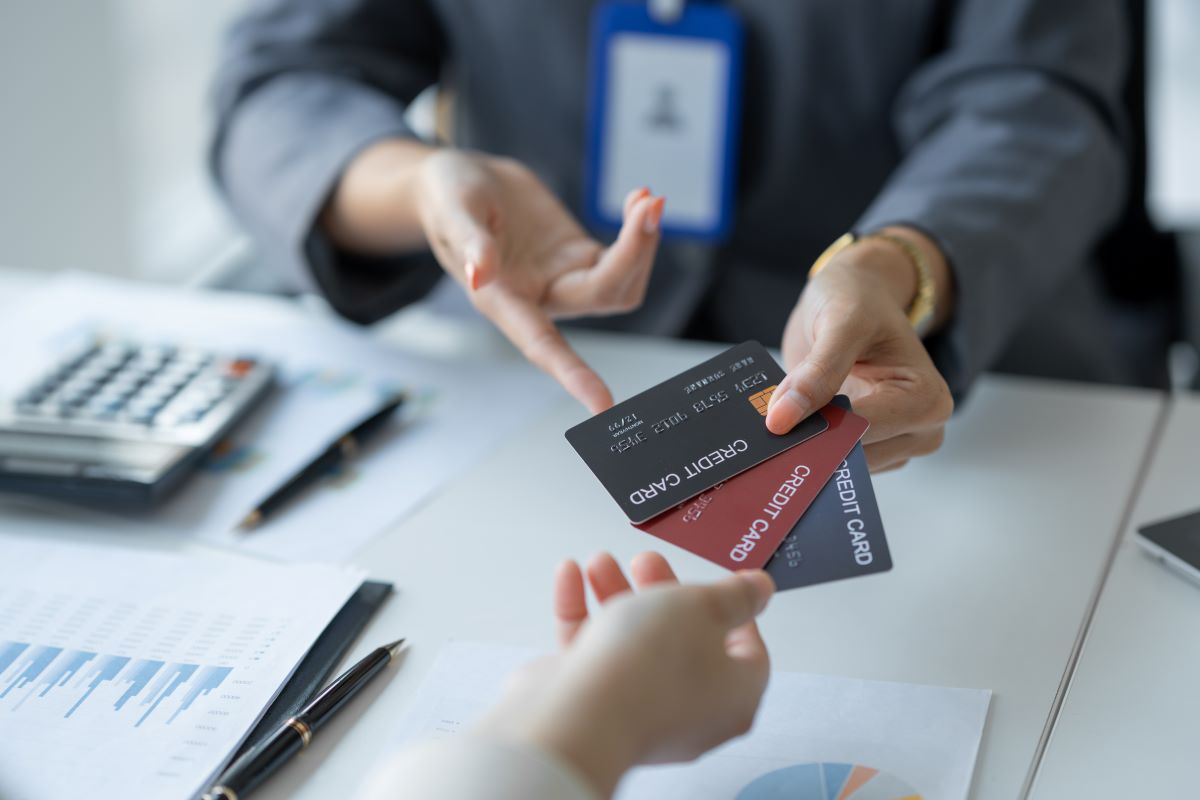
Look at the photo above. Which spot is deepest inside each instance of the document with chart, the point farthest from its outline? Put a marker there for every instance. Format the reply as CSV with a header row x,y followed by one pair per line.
x,y
132,674
816,737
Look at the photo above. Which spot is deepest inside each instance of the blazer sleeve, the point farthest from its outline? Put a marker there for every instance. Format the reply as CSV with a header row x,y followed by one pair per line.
x,y
1012,160
303,86
469,766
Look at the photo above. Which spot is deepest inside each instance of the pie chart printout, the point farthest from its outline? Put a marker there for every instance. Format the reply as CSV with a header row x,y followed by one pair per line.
x,y
828,782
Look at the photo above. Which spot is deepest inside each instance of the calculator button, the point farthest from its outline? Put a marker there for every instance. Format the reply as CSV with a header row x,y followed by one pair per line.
x,y
103,408
168,418
176,375
155,394
193,360
120,391
116,350
75,398
240,368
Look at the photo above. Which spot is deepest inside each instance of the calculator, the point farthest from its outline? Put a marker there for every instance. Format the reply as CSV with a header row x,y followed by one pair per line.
x,y
123,423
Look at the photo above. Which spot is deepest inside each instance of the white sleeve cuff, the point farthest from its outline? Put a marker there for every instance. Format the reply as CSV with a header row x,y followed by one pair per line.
x,y
470,766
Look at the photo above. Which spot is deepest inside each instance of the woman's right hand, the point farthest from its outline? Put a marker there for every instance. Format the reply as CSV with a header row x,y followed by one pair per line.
x,y
498,231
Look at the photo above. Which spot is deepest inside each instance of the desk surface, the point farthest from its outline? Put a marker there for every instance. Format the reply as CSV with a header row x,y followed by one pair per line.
x,y
998,542
1128,726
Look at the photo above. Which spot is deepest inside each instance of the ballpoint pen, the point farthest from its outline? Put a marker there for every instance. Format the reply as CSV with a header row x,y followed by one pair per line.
x,y
345,447
259,763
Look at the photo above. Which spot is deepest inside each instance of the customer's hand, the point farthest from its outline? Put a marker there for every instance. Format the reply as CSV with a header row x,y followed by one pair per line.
x,y
664,674
849,333
525,261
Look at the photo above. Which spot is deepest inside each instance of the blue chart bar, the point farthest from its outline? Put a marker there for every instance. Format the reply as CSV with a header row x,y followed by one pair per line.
x,y
171,679
35,673
105,670
9,653
210,678
36,661
137,676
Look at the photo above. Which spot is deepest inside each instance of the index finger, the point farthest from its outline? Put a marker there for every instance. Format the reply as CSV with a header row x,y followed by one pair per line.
x,y
889,411
539,340
917,400
570,602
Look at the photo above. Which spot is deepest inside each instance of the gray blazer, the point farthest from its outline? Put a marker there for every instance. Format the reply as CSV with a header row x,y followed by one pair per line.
x,y
993,125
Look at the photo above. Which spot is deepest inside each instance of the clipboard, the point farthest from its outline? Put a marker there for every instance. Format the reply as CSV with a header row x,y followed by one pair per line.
x,y
318,665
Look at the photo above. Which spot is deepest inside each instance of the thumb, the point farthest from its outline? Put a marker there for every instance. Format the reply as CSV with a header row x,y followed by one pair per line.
x,y
814,381
739,598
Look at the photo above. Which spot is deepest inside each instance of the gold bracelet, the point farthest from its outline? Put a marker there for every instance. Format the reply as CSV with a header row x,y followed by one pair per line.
x,y
921,310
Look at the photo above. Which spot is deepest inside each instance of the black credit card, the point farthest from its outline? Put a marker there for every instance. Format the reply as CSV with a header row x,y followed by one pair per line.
x,y
841,534
705,425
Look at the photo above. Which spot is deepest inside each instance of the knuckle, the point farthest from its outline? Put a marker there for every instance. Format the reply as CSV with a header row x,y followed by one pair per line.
x,y
822,375
614,297
806,395
743,723
539,347
931,443
941,405
472,193
512,168
629,300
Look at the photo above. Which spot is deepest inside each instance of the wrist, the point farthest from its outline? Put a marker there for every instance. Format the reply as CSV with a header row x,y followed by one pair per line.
x,y
883,267
898,263
597,756
938,267
375,207
581,737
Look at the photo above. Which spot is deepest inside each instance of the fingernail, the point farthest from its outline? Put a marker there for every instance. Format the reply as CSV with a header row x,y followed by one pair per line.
x,y
472,271
792,398
654,215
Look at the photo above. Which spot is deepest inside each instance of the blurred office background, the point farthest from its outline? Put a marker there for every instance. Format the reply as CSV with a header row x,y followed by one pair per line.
x,y
105,115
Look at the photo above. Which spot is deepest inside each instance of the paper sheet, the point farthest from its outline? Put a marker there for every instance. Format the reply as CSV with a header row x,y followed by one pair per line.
x,y
136,674
332,375
815,738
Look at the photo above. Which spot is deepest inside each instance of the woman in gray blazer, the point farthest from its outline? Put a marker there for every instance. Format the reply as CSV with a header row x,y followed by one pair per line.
x,y
973,145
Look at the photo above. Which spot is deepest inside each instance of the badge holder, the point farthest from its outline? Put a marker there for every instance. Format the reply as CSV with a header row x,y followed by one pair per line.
x,y
664,112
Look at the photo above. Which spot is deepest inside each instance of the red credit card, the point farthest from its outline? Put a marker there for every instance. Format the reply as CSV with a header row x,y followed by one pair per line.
x,y
739,524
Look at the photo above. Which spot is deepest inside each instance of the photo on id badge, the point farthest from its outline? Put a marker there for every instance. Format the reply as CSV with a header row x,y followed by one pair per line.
x,y
664,112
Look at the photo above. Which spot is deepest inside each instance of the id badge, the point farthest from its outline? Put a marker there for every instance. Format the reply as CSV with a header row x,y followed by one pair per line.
x,y
664,112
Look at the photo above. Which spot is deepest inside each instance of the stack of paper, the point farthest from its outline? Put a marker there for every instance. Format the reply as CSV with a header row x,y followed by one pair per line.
x,y
815,737
137,674
331,374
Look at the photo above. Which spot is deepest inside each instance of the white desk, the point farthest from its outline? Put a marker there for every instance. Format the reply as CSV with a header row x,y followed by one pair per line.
x,y
1129,725
998,542
995,556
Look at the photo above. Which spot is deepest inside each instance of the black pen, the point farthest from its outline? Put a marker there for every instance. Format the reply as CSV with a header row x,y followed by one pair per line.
x,y
345,447
256,766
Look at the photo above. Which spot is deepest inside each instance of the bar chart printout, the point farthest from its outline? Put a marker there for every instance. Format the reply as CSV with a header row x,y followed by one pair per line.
x,y
121,672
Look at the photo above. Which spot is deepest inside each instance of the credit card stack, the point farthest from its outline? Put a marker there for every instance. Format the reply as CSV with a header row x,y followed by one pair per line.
x,y
691,461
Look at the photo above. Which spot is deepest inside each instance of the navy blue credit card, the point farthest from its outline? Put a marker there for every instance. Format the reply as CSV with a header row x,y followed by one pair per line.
x,y
841,534
687,434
